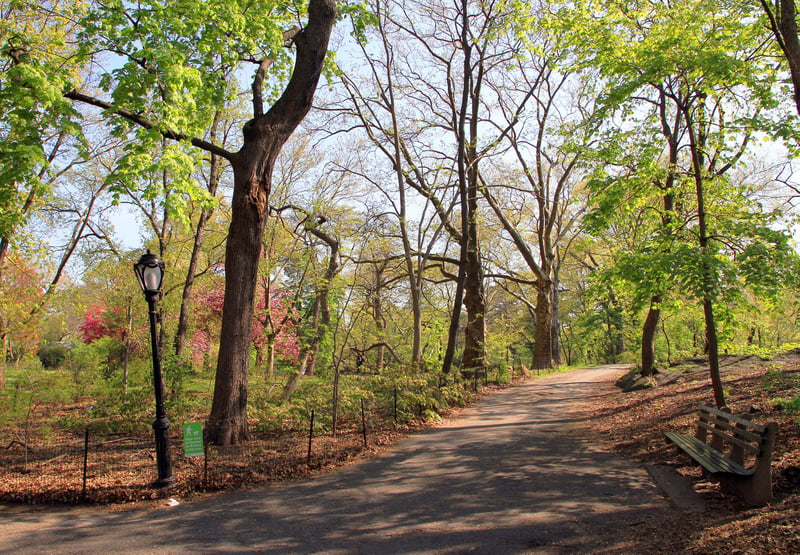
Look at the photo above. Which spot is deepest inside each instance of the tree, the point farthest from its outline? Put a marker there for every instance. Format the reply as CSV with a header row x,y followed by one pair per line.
x,y
427,107
713,84
389,139
18,291
319,318
212,180
782,19
542,192
48,169
274,329
102,321
37,121
273,322
176,67
380,282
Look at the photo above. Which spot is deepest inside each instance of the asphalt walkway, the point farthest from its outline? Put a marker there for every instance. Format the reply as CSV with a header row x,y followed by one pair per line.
x,y
505,477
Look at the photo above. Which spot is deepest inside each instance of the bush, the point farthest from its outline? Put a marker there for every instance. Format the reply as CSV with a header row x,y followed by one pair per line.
x,y
123,412
53,355
103,356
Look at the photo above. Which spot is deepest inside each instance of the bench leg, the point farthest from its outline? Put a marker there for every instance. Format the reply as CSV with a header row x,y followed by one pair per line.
x,y
755,490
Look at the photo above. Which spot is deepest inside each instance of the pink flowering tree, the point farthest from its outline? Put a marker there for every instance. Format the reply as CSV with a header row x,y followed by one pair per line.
x,y
101,321
273,333
274,328
106,330
208,317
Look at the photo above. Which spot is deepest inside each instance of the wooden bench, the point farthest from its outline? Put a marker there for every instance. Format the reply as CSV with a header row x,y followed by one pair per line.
x,y
733,451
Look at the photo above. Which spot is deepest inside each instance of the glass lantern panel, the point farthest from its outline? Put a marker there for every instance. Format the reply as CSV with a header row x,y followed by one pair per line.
x,y
152,278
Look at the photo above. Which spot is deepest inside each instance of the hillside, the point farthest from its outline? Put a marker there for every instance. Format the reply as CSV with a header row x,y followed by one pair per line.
x,y
634,422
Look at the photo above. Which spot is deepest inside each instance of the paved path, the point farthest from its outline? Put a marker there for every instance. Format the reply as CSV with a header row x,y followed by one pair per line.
x,y
502,478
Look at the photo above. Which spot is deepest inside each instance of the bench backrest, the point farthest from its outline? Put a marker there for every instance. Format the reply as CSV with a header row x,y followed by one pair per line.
x,y
741,440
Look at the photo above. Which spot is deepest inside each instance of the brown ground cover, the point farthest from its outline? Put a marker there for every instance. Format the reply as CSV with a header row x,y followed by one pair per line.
x,y
633,424
121,470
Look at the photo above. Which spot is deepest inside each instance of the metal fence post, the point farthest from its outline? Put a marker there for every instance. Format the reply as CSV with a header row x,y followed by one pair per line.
x,y
310,438
363,423
85,459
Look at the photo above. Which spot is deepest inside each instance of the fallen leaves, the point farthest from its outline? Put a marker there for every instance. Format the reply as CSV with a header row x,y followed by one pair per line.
x,y
633,425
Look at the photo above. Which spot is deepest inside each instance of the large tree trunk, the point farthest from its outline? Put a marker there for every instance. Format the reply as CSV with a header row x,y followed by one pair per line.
x,y
264,136
461,163
543,341
555,332
227,422
474,295
475,330
783,23
649,337
475,303
791,46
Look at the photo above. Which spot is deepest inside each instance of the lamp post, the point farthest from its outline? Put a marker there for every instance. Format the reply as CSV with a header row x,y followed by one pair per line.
x,y
150,273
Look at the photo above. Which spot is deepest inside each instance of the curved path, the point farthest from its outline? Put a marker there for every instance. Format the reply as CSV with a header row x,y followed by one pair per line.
x,y
505,477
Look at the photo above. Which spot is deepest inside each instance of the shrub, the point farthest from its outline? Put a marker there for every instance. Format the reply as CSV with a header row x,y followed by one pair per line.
x,y
53,355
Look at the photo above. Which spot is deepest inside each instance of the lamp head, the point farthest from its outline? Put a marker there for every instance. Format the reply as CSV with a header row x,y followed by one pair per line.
x,y
150,273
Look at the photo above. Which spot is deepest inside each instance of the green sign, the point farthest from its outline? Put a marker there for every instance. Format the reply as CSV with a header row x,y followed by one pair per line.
x,y
193,440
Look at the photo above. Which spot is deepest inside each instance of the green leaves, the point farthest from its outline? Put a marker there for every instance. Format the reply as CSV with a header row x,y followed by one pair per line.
x,y
34,74
361,18
641,43
167,69
179,61
688,84
163,172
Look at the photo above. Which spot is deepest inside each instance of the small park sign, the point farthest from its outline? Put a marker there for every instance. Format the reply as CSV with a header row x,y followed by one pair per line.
x,y
193,440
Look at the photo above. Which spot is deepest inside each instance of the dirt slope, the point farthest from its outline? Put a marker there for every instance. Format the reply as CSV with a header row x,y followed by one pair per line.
x,y
634,422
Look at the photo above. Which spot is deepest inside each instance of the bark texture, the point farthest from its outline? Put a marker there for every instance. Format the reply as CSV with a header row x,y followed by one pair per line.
x,y
649,337
542,350
783,24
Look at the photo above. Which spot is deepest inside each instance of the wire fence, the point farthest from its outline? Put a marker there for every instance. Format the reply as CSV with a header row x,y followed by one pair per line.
x,y
102,469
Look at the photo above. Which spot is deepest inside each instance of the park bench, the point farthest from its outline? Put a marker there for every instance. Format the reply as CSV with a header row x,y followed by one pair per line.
x,y
733,451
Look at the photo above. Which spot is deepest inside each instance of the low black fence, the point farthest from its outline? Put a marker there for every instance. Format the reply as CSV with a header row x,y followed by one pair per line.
x,y
102,469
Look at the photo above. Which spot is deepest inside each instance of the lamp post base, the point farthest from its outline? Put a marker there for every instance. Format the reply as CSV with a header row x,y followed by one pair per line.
x,y
164,483
163,452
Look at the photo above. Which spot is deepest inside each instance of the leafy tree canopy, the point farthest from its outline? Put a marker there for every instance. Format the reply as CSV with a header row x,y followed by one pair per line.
x,y
35,67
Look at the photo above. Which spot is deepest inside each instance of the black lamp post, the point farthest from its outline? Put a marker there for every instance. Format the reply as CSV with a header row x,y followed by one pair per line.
x,y
150,273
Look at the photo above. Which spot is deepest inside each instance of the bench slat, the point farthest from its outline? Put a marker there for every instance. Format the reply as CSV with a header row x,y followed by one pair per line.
x,y
737,429
732,439
733,418
706,456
